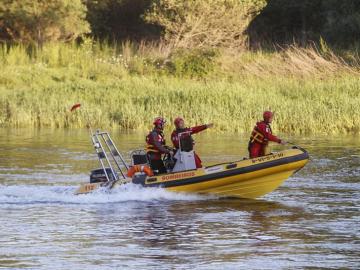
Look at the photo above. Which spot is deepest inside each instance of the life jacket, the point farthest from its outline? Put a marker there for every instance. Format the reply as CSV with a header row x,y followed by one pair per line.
x,y
175,136
150,145
258,137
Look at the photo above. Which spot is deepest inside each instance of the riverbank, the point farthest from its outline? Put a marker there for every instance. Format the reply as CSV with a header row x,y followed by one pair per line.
x,y
125,89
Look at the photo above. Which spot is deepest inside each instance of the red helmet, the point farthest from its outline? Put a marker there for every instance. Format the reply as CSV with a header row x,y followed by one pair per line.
x,y
159,122
177,121
268,115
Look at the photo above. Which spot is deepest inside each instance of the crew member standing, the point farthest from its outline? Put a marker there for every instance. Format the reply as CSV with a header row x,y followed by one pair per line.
x,y
156,146
180,128
261,136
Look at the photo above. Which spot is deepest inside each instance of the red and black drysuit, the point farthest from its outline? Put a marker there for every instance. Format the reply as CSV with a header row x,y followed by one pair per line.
x,y
193,130
259,139
155,148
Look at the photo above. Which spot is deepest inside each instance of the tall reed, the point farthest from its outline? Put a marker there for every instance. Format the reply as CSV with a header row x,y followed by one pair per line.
x,y
127,85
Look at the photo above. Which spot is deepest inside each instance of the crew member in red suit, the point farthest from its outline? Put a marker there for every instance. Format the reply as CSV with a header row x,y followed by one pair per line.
x,y
156,146
261,136
180,128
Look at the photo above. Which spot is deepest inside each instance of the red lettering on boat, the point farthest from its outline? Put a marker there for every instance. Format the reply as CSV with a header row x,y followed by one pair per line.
x,y
177,176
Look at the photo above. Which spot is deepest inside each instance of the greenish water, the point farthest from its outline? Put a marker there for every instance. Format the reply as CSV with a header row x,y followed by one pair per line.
x,y
311,222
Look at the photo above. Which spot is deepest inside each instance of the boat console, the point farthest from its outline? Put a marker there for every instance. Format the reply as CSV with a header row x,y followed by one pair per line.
x,y
185,156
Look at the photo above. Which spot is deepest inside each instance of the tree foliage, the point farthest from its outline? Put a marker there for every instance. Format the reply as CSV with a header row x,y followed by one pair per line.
x,y
286,21
38,21
211,23
341,23
183,23
120,19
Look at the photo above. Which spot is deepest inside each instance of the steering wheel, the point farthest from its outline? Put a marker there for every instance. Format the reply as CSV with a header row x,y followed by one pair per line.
x,y
169,161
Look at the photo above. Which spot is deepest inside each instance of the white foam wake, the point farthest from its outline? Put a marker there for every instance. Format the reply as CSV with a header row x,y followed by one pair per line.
x,y
32,194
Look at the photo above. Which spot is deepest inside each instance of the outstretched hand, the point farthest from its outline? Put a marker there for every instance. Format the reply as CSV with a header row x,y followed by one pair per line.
x,y
283,142
210,125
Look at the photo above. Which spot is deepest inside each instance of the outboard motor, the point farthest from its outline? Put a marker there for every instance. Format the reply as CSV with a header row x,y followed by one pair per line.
x,y
99,176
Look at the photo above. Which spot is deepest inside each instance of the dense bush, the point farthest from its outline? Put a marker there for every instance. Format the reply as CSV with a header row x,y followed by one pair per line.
x,y
286,21
39,21
120,20
210,23
195,63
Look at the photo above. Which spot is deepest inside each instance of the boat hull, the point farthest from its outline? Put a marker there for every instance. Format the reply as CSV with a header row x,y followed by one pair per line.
x,y
250,178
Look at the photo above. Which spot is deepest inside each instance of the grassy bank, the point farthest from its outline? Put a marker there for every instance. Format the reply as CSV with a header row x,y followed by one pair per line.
x,y
310,91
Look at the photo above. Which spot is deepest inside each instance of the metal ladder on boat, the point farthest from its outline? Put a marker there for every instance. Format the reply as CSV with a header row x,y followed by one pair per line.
x,y
109,157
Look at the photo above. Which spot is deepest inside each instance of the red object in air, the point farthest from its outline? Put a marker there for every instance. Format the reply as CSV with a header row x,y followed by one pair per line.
x,y
267,115
74,107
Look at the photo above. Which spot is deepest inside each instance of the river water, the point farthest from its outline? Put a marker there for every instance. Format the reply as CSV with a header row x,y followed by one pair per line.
x,y
311,222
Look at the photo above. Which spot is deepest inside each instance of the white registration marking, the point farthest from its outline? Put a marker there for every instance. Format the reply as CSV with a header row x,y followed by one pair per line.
x,y
213,169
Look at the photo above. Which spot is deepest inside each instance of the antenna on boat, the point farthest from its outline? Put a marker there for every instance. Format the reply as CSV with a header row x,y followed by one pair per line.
x,y
111,160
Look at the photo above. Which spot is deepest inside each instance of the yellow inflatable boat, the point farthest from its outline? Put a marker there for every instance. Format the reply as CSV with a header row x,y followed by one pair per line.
x,y
247,178
250,178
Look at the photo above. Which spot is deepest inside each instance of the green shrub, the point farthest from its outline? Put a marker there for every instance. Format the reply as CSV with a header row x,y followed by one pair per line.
x,y
36,21
192,63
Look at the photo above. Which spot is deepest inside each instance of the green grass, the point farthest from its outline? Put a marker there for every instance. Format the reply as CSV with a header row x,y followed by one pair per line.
x,y
121,87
